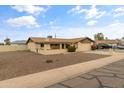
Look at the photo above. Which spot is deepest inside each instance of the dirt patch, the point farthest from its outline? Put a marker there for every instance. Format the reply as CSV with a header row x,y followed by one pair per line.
x,y
14,64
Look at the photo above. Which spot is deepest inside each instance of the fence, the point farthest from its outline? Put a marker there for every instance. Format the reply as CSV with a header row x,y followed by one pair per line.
x,y
5,48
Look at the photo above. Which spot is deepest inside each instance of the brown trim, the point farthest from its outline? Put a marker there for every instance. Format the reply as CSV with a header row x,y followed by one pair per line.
x,y
28,41
75,40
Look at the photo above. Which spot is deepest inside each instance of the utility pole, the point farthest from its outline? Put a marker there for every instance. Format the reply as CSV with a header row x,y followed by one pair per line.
x,y
55,35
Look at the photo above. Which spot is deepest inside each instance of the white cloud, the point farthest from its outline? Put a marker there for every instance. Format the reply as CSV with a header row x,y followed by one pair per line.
x,y
121,9
76,10
119,12
53,22
91,22
93,12
1,34
52,25
112,31
31,9
115,24
28,21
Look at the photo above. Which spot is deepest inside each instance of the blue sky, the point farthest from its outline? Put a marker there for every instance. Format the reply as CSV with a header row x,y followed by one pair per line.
x,y
67,21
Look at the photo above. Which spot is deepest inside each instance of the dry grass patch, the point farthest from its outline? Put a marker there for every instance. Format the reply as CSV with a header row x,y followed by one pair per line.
x,y
14,64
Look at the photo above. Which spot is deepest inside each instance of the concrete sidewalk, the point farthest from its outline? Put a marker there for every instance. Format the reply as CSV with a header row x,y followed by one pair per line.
x,y
110,76
50,77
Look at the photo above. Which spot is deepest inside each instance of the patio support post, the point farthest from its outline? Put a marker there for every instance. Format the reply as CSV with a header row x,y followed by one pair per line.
x,y
60,46
64,46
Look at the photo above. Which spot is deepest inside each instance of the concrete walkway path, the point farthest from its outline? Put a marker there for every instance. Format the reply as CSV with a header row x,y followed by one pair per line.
x,y
110,76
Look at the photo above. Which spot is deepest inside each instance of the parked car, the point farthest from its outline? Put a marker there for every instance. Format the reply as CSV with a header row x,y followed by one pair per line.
x,y
104,46
120,46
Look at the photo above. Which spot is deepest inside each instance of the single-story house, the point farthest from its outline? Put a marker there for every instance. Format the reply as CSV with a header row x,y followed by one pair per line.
x,y
57,45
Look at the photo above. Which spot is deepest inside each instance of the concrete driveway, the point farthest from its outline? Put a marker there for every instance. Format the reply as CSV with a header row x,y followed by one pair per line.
x,y
110,76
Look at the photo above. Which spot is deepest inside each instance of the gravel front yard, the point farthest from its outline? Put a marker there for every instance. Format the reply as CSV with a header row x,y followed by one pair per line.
x,y
14,64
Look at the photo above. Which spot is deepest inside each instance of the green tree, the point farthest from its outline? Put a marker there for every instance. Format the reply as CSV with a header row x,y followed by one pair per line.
x,y
123,38
7,41
99,36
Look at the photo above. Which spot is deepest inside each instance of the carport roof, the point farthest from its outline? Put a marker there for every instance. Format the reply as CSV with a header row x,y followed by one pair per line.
x,y
107,41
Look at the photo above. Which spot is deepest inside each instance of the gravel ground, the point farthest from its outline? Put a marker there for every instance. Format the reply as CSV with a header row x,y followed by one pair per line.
x,y
14,64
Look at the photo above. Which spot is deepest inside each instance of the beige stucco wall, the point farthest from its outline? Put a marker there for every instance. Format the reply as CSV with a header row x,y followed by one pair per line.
x,y
46,46
84,46
37,46
45,50
5,48
31,46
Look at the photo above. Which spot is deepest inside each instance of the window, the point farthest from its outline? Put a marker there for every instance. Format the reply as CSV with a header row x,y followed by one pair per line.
x,y
55,46
41,45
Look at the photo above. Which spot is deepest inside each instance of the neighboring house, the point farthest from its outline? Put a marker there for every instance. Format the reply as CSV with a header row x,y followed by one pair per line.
x,y
122,42
106,44
109,42
1,44
121,45
57,45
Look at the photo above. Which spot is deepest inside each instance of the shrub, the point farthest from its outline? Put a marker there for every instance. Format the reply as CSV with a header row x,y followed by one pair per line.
x,y
71,48
93,47
49,61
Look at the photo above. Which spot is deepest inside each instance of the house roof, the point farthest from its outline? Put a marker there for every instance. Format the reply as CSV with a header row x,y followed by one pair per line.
x,y
56,40
107,41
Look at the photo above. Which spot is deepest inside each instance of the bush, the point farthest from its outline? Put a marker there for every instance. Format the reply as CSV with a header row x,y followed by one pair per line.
x,y
71,48
93,47
49,61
